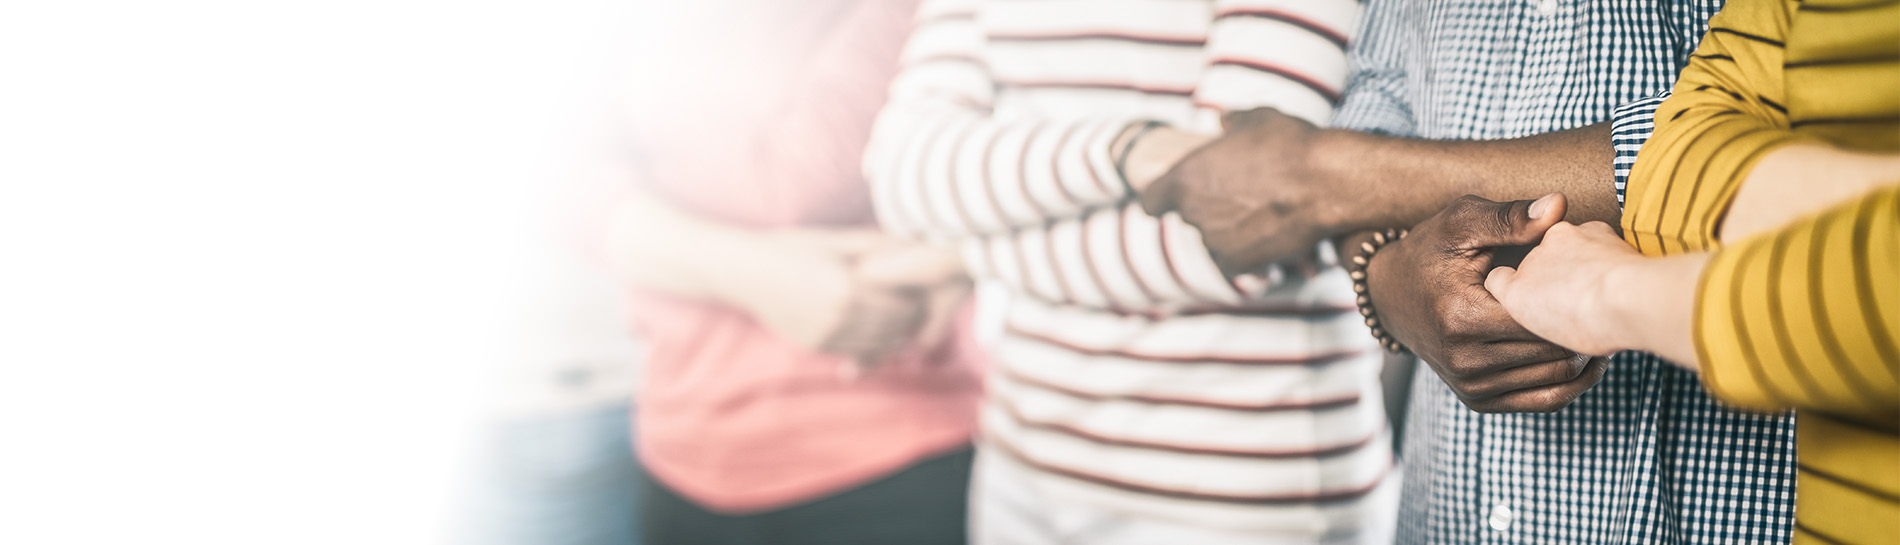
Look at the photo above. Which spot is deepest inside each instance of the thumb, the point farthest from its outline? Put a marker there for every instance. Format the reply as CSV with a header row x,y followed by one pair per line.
x,y
1517,223
1161,195
1236,120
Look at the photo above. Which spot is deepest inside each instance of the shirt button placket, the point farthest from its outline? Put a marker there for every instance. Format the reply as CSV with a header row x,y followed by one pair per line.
x,y
1501,517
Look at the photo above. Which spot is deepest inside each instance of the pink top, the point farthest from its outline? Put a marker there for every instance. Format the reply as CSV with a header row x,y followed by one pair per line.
x,y
770,132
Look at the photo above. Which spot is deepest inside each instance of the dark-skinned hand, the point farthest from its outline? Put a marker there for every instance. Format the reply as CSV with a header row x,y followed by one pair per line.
x,y
1252,192
1428,291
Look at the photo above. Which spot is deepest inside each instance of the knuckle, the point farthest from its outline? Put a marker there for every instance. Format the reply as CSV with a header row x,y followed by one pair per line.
x,y
1449,324
1576,364
1503,219
1462,367
1486,407
1561,230
1471,211
1475,390
1548,401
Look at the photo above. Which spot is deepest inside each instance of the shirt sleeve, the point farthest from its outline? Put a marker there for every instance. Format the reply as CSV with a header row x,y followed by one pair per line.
x,y
1723,115
1375,96
1630,126
1809,316
942,167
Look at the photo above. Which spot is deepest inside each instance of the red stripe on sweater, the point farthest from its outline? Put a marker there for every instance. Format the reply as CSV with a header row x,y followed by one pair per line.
x,y
1266,499
1336,37
1314,359
1336,402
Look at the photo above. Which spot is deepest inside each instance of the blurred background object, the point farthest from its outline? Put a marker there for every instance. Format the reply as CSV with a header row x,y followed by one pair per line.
x,y
554,463
260,260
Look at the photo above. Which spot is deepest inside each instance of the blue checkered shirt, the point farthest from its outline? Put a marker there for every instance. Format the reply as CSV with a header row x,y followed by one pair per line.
x,y
1646,456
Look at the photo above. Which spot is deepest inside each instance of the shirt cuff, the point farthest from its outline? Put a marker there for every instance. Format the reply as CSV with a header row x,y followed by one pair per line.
x,y
1630,126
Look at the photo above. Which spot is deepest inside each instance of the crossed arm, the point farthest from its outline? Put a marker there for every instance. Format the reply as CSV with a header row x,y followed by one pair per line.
x,y
1042,204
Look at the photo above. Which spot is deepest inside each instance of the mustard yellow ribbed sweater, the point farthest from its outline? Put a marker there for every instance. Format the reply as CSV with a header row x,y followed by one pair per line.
x,y
1806,317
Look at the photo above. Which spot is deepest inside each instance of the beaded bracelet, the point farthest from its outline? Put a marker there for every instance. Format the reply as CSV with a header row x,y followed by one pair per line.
x,y
1357,270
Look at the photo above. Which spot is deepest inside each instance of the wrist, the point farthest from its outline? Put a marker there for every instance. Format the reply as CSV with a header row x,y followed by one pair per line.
x,y
1651,303
1621,292
736,259
1151,150
1338,158
1364,165
1365,249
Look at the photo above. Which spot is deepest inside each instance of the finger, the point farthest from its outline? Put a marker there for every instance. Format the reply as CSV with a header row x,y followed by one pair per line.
x,y
868,343
1601,229
1471,361
1545,399
1478,317
879,321
1254,285
1499,283
1482,224
1559,370
1162,195
944,306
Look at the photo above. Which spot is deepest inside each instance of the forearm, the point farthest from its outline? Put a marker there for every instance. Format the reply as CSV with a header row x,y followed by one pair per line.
x,y
1784,186
1409,180
1112,258
942,173
656,246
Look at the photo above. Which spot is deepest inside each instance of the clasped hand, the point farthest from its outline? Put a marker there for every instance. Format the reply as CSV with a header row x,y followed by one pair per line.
x,y
1429,293
858,294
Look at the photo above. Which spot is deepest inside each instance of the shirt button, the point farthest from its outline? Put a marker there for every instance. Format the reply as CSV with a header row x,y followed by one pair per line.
x,y
1501,518
1547,7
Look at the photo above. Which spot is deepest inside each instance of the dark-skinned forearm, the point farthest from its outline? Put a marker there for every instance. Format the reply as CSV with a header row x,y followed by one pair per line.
x,y
1410,179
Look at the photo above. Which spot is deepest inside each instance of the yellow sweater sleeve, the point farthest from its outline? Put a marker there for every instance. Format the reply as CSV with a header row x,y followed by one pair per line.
x,y
1725,112
1809,316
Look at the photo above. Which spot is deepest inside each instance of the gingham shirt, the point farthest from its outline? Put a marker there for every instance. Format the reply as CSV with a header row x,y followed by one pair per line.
x,y
1644,457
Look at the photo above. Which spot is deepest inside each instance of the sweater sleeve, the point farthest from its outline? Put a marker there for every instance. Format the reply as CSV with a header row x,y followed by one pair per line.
x,y
941,167
1036,203
1117,258
1723,115
1808,317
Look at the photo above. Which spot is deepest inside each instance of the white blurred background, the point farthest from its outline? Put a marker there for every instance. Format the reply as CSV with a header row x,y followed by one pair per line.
x,y
264,263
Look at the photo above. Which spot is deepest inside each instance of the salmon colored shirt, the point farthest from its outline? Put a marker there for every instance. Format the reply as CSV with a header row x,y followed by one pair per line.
x,y
761,121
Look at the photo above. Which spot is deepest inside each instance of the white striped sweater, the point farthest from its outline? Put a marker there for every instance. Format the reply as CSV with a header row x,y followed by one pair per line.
x,y
1132,373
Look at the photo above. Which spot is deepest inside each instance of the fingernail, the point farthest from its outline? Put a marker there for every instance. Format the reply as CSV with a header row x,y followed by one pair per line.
x,y
1250,284
1541,206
